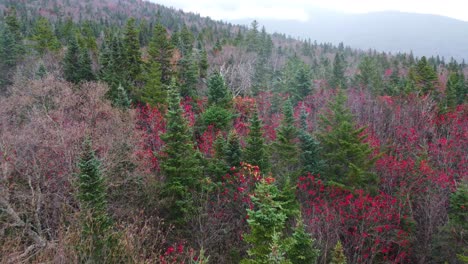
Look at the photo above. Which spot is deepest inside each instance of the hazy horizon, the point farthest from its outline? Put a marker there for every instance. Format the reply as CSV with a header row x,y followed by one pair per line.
x,y
300,10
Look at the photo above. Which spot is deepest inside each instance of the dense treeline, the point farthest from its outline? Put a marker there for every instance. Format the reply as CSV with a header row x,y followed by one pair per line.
x,y
131,132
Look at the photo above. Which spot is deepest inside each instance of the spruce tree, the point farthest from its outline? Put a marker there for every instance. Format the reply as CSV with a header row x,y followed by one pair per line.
x,y
339,67
233,152
423,76
338,256
44,37
179,162
188,76
153,92
286,159
301,249
161,50
96,241
347,157
70,62
77,63
255,152
266,219
133,62
218,93
85,69
310,150
203,64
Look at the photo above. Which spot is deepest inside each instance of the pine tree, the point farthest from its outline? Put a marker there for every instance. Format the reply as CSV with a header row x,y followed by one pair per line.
x,y
339,66
338,256
255,152
179,162
133,61
347,157
160,50
218,93
310,150
233,152
97,224
285,156
44,37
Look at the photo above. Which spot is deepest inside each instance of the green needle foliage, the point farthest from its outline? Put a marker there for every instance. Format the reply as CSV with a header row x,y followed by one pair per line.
x,y
180,163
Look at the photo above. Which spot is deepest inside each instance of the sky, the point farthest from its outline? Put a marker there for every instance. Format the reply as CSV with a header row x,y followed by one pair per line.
x,y
297,9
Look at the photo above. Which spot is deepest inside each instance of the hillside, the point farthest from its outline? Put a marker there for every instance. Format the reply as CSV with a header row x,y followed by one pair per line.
x,y
384,31
135,133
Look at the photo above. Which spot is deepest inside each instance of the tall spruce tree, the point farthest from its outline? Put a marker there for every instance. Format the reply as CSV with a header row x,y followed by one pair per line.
x,y
132,51
423,76
179,163
347,156
77,63
44,37
255,152
218,93
286,155
310,159
188,76
154,91
161,50
96,243
339,67
233,151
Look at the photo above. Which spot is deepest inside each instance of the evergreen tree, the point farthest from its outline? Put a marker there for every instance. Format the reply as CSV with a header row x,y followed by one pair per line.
x,y
310,150
369,75
203,64
301,249
44,37
218,93
188,76
217,166
77,63
233,152
186,41
338,256
122,99
347,157
160,50
266,220
285,156
113,71
41,71
179,162
218,116
153,92
70,62
255,152
133,61
85,69
423,76
339,67
96,242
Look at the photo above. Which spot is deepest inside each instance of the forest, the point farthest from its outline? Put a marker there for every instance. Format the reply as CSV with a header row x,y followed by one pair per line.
x,y
135,133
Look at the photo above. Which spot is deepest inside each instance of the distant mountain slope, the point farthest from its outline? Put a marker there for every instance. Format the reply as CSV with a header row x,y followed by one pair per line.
x,y
385,31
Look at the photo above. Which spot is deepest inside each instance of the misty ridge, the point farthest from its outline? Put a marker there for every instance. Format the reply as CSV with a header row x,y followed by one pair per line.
x,y
386,31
